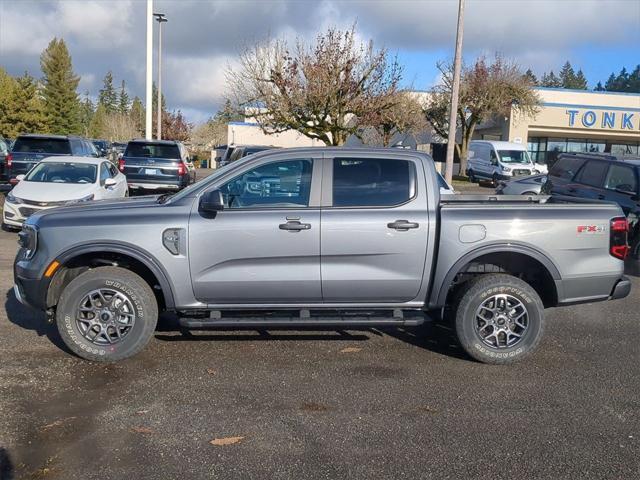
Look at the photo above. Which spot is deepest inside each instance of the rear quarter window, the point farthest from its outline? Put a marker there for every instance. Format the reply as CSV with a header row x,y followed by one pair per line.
x,y
592,173
566,168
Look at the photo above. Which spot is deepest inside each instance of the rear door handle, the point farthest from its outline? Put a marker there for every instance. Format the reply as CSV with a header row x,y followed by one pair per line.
x,y
402,225
294,226
601,197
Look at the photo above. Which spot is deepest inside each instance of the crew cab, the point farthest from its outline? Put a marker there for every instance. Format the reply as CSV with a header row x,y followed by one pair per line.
x,y
156,165
319,236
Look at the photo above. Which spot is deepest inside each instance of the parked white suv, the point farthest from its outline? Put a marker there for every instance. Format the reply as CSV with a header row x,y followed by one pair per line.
x,y
495,161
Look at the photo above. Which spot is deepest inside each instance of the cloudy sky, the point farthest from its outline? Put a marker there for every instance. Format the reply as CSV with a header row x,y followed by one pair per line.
x,y
202,37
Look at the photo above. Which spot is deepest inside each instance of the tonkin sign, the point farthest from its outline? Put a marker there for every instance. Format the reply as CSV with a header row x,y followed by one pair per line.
x,y
604,119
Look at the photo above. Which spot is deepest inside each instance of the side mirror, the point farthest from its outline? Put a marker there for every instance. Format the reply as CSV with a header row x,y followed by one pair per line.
x,y
110,182
211,202
20,177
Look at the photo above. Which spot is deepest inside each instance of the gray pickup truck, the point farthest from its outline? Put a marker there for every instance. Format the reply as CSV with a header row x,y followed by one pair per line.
x,y
319,237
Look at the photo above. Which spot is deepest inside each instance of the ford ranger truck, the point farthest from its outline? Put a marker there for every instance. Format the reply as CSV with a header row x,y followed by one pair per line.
x,y
319,237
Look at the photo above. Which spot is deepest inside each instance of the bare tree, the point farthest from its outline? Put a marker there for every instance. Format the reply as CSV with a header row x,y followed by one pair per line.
x,y
486,91
119,126
323,89
209,134
405,115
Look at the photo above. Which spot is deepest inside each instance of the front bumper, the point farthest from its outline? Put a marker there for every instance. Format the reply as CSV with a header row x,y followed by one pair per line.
x,y
30,292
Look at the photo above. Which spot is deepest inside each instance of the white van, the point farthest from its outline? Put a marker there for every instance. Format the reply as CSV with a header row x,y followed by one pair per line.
x,y
495,161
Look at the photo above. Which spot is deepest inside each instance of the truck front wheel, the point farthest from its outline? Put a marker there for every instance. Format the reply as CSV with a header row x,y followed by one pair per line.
x,y
107,314
499,319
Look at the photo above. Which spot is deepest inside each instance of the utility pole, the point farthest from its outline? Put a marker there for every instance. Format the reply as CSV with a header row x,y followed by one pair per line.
x,y
148,133
455,91
161,18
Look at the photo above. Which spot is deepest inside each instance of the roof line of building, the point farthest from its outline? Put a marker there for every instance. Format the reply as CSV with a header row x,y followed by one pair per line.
x,y
560,89
590,107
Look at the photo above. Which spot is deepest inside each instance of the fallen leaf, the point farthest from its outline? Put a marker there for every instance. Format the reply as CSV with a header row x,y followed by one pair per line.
x,y
141,412
314,407
211,371
142,430
57,423
350,350
226,441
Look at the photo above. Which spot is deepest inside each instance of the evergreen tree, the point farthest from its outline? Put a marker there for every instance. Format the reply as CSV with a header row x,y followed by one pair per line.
x,y
86,114
550,80
567,76
528,75
62,105
580,81
609,85
633,83
599,87
98,122
108,97
25,109
137,114
123,100
7,91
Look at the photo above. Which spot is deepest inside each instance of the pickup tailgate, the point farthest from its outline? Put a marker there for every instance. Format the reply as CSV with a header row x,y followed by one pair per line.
x,y
572,238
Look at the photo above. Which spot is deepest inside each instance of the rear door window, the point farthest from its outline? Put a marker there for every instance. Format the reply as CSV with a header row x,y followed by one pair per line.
x,y
42,145
566,168
621,177
593,173
372,182
152,150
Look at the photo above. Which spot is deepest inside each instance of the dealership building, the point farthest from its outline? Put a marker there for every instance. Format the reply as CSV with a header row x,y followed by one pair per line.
x,y
567,121
573,121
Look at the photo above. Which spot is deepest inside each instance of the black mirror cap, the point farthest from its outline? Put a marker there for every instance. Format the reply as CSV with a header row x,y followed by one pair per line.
x,y
211,201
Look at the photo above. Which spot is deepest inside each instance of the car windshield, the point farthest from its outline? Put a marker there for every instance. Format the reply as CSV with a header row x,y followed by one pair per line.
x,y
514,156
59,172
152,150
42,145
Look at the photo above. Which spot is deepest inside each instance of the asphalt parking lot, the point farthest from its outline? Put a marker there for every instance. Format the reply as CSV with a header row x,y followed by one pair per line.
x,y
397,403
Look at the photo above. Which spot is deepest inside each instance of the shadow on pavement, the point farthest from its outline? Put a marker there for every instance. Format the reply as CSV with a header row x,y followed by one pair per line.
x,y
6,466
31,319
435,336
632,267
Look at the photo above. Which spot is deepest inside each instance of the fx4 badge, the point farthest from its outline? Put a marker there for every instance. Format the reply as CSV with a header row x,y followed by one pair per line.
x,y
592,229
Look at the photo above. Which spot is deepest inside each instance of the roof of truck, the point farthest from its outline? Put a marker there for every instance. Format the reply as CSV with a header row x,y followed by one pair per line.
x,y
502,144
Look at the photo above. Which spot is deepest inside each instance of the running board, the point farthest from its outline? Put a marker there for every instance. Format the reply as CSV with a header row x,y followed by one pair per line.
x,y
305,319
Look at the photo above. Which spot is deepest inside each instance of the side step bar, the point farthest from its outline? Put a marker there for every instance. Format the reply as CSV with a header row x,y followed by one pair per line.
x,y
218,320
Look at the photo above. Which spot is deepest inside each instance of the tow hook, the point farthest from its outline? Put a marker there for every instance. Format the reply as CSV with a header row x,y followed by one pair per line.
x,y
51,315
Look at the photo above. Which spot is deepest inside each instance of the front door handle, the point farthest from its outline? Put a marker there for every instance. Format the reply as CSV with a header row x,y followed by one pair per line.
x,y
402,225
601,197
294,226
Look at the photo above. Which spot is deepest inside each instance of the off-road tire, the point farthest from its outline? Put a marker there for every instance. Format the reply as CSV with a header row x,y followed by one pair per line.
x,y
469,299
118,279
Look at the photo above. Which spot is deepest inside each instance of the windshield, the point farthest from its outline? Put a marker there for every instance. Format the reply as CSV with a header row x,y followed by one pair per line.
x,y
42,145
152,150
60,172
514,156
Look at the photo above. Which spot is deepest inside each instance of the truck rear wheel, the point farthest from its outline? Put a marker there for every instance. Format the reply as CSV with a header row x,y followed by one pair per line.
x,y
107,314
499,319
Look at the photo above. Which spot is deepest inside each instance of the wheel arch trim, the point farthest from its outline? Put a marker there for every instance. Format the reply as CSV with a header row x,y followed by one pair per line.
x,y
133,251
526,250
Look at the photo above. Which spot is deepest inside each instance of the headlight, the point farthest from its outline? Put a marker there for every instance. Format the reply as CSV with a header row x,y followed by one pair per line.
x,y
28,240
506,169
83,199
13,199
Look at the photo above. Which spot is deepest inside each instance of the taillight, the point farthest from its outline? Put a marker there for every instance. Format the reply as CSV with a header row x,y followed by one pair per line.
x,y
182,168
618,244
121,164
8,160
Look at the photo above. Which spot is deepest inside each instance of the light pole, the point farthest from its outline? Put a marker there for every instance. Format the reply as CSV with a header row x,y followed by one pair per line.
x,y
148,131
455,89
161,18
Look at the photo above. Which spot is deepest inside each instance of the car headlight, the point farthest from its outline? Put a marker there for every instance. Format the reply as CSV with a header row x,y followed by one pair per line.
x,y
506,169
28,240
83,199
11,198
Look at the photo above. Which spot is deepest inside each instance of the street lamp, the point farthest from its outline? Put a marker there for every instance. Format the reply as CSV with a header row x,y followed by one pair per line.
x,y
160,18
